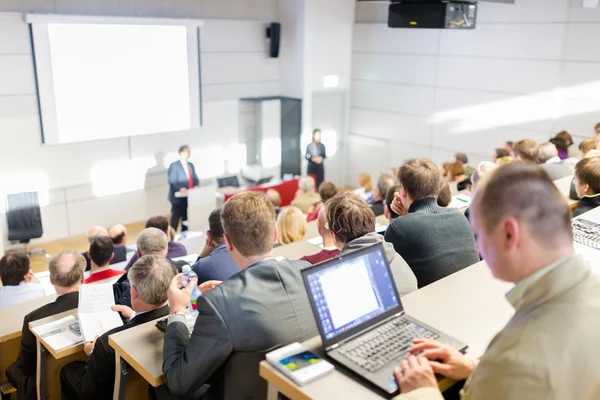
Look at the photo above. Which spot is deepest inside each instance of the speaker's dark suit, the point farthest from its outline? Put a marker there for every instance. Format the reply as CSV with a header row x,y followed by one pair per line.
x,y
95,378
178,179
21,373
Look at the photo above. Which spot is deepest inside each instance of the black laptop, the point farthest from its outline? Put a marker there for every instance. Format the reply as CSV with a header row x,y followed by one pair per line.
x,y
360,317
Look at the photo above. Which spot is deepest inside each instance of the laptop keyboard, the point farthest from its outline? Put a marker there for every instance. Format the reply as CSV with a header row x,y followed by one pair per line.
x,y
389,342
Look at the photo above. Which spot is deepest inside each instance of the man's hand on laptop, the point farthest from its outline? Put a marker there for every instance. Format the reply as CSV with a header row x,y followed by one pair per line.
x,y
444,359
414,373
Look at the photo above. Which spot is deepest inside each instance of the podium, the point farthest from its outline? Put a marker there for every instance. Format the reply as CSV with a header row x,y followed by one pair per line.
x,y
202,201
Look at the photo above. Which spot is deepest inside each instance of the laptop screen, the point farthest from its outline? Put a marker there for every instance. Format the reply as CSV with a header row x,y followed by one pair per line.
x,y
228,181
350,290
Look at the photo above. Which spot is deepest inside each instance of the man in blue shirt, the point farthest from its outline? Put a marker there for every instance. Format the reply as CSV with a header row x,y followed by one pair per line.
x,y
215,263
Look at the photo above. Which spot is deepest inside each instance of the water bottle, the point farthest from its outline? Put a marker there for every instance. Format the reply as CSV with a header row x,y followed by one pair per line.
x,y
188,275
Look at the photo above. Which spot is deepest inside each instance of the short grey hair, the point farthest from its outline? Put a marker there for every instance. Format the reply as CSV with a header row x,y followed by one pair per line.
x,y
152,241
151,277
546,152
306,184
484,169
385,182
96,231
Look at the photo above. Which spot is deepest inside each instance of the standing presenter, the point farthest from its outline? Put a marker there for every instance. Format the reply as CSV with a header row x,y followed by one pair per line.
x,y
182,177
315,154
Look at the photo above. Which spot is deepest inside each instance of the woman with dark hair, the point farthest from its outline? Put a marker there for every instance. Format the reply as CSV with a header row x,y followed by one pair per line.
x,y
315,154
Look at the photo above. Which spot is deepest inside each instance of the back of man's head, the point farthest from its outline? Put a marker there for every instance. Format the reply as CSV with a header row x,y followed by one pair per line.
x,y
306,184
420,177
389,199
587,172
13,267
158,222
215,225
587,145
275,197
526,193
349,217
101,250
96,231
385,182
152,241
327,190
527,151
249,222
444,197
118,233
483,170
546,151
66,269
151,276
462,157
499,153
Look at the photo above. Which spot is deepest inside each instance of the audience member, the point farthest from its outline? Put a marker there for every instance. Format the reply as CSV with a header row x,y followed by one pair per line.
x,y
118,234
434,241
66,275
587,145
306,195
275,198
571,147
352,226
555,296
215,263
260,308
509,146
462,158
390,213
97,231
444,195
483,171
587,184
172,235
561,145
456,176
174,249
326,191
526,151
504,160
552,163
365,189
385,182
16,276
291,225
597,129
150,277
499,153
329,250
101,253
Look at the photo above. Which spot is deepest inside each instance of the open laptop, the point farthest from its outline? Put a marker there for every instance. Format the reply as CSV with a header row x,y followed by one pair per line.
x,y
360,317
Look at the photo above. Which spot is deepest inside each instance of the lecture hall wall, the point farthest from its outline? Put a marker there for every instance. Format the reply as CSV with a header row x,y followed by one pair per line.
x,y
235,64
528,70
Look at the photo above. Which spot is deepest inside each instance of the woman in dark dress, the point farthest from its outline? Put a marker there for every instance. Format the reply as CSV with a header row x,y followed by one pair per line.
x,y
315,154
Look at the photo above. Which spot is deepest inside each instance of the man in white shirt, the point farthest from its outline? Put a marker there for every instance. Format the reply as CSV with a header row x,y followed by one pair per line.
x,y
16,276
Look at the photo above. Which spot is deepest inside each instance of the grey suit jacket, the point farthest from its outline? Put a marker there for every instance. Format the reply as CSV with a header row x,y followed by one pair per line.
x,y
257,310
557,170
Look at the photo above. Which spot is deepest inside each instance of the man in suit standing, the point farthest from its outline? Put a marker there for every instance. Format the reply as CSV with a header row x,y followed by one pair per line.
x,y
150,277
257,310
182,176
66,275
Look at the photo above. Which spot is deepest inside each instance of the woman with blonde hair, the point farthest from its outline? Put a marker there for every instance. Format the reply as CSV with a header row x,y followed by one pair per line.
x,y
291,225
365,191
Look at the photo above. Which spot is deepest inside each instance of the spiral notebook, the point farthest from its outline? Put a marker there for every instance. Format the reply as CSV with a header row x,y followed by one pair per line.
x,y
586,232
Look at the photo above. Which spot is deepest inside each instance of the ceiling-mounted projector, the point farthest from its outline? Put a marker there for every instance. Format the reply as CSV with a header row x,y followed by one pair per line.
x,y
431,14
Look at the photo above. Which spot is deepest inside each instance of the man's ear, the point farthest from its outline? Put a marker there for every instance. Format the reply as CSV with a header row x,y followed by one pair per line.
x,y
275,234
112,256
318,225
209,235
28,277
139,253
586,188
228,244
512,233
134,292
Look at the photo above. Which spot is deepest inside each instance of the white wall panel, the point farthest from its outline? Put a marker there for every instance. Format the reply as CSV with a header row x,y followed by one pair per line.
x,y
16,75
580,80
578,116
222,35
97,7
392,126
14,34
234,91
415,100
359,149
380,38
582,43
524,11
399,152
238,67
230,9
578,13
539,41
396,68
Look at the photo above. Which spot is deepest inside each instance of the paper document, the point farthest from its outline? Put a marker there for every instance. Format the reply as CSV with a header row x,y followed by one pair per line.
x,y
60,334
43,278
460,201
317,241
179,194
95,314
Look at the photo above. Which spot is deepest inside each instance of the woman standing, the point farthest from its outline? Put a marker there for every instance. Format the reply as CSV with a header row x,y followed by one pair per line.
x,y
315,154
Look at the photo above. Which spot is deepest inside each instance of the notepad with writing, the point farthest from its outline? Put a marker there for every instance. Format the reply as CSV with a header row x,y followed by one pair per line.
x,y
60,334
95,314
586,233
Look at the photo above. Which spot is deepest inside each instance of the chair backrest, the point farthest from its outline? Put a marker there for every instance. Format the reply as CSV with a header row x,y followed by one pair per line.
x,y
23,216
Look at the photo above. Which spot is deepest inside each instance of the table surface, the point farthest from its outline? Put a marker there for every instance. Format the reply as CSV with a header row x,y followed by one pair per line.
x,y
63,352
296,250
12,316
469,305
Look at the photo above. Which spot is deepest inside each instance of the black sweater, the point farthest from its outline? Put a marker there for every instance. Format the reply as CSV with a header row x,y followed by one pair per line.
x,y
587,203
434,241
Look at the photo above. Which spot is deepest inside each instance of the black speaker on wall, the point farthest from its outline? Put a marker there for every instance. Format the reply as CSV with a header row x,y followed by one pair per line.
x,y
273,33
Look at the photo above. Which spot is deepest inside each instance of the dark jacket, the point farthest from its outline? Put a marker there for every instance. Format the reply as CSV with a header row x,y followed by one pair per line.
x,y
26,361
557,170
587,203
217,266
98,376
263,307
377,208
434,241
120,256
177,180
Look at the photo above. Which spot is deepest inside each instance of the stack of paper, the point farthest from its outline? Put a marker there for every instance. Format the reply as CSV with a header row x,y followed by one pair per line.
x,y
95,314
460,201
60,334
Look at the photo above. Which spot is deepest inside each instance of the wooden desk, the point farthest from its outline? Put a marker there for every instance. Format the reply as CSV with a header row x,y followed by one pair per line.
x,y
469,305
297,250
48,368
564,187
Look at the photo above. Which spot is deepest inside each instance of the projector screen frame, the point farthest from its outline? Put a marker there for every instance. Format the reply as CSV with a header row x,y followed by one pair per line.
x,y
38,28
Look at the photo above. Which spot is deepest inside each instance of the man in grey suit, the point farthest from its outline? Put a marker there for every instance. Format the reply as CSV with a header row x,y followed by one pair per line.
x,y
263,307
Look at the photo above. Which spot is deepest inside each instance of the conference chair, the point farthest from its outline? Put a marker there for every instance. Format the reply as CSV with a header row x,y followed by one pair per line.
x,y
24,219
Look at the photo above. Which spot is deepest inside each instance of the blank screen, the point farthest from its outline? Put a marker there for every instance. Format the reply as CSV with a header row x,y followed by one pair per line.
x,y
113,80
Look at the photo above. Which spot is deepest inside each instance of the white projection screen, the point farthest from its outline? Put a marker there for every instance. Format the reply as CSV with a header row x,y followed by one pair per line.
x,y
103,77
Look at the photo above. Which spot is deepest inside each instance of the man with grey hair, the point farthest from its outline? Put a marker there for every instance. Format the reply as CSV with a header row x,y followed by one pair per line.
x,y
306,195
150,277
385,182
66,275
152,241
551,162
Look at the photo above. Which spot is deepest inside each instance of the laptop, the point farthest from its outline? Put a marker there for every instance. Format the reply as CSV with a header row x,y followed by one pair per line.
x,y
360,317
228,181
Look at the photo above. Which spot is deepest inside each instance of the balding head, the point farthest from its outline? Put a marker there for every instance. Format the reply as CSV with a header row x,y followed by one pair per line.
x,y
152,241
547,151
118,234
66,270
96,231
